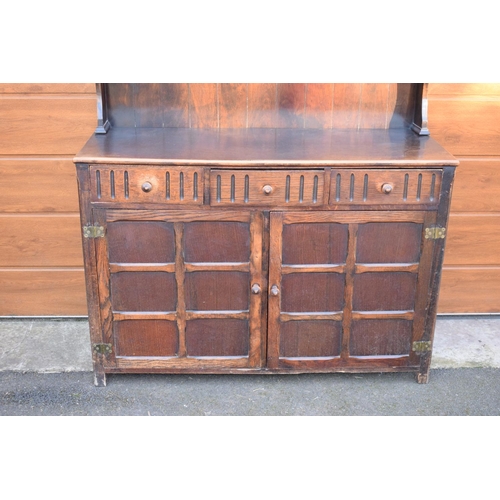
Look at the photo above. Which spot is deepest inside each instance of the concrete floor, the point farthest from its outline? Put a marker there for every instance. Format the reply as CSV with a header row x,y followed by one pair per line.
x,y
49,346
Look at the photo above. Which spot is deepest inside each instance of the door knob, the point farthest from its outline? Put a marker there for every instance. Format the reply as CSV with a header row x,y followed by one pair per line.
x,y
275,290
256,288
387,188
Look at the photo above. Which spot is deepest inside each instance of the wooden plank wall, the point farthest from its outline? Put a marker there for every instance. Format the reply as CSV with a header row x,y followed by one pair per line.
x,y
42,126
465,119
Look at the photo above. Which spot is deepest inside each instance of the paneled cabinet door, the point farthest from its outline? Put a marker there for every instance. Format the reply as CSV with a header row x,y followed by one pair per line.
x,y
180,289
348,289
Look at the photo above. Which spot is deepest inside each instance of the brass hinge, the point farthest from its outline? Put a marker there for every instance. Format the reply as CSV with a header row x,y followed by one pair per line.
x,y
93,231
103,349
421,346
435,233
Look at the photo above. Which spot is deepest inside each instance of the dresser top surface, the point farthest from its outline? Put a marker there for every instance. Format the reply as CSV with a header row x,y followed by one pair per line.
x,y
264,148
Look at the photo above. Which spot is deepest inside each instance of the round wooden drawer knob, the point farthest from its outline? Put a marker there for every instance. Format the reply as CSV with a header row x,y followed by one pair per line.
x,y
387,188
267,189
147,187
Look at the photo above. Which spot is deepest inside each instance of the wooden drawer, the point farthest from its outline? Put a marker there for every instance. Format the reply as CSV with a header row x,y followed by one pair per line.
x,y
135,184
385,187
267,187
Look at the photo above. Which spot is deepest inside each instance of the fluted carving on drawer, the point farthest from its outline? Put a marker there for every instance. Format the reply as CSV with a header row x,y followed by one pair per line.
x,y
385,187
273,188
178,185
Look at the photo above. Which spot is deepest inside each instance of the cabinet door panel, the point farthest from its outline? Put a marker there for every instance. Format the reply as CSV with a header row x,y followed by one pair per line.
x,y
217,242
217,337
143,291
361,304
380,337
384,291
146,338
320,243
139,242
389,242
217,291
176,285
304,292
310,339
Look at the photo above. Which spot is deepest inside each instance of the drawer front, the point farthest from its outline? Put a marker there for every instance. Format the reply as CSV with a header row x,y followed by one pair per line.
x,y
267,188
385,187
136,184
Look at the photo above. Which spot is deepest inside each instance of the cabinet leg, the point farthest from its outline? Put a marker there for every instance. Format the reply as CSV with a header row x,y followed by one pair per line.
x,y
425,365
99,378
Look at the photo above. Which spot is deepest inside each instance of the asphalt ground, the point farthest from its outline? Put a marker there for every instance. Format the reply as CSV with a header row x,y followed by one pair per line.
x,y
450,392
130,458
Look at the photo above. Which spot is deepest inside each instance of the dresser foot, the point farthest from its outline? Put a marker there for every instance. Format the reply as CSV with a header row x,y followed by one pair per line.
x,y
99,379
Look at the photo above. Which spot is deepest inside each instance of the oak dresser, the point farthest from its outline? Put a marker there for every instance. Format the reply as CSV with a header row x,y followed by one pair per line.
x,y
263,228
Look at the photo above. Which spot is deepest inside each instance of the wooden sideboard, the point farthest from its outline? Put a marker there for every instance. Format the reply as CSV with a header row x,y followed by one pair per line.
x,y
271,249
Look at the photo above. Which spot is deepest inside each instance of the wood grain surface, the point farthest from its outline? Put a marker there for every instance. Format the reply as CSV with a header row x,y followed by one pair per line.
x,y
262,105
368,186
38,185
248,187
466,125
291,99
203,105
469,290
375,105
280,148
47,88
40,241
319,105
463,89
311,339
146,338
473,239
282,105
148,109
45,125
42,127
465,118
120,104
346,103
233,107
176,105
42,292
147,185
477,185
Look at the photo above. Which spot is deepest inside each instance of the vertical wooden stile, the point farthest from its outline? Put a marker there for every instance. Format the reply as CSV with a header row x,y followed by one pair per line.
x,y
256,225
437,263
275,259
423,284
348,291
92,282
180,271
